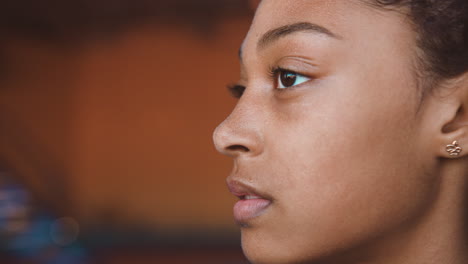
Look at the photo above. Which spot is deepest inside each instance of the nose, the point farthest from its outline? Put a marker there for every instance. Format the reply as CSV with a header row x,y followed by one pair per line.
x,y
240,134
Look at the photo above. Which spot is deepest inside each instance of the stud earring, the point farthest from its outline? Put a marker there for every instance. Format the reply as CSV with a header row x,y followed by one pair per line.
x,y
453,149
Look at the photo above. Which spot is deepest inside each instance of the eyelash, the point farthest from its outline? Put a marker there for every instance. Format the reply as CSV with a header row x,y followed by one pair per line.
x,y
237,90
274,71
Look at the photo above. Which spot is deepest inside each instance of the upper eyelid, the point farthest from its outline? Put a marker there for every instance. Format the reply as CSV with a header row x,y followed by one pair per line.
x,y
296,64
294,61
278,70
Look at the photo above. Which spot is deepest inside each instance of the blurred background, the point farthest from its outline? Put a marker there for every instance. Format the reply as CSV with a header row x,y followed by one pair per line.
x,y
106,113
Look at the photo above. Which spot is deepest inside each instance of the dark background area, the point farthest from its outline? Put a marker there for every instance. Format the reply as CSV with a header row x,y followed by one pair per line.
x,y
106,115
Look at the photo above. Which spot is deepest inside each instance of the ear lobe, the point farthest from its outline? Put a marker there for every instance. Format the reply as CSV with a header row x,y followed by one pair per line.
x,y
454,149
454,144
454,133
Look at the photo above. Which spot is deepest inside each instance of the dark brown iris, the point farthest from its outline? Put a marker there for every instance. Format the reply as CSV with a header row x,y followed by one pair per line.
x,y
287,78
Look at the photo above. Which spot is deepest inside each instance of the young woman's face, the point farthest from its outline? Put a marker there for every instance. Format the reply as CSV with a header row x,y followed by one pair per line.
x,y
328,138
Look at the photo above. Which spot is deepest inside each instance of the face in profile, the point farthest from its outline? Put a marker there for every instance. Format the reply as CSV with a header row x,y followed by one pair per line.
x,y
328,137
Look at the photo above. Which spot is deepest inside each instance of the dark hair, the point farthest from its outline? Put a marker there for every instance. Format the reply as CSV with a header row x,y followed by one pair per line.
x,y
442,28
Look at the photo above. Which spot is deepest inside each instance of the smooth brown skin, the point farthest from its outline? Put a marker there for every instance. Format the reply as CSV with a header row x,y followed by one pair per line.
x,y
353,157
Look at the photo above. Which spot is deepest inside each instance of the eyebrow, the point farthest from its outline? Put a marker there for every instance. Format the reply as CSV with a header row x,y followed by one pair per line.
x,y
277,33
272,35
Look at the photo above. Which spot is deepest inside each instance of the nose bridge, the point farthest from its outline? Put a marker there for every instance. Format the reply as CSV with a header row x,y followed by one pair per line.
x,y
240,133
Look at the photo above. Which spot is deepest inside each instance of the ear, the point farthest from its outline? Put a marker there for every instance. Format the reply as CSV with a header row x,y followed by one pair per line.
x,y
452,115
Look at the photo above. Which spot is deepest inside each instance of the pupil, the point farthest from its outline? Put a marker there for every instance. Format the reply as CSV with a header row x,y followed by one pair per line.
x,y
288,78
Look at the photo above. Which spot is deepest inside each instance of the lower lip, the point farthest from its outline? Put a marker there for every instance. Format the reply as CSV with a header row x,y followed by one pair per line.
x,y
245,210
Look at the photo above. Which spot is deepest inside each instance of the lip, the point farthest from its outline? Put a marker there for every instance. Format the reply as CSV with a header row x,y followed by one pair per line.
x,y
252,203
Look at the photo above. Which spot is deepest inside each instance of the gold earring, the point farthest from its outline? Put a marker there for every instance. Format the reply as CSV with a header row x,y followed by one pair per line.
x,y
453,149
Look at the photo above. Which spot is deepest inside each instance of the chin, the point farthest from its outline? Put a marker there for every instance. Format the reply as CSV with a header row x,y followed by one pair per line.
x,y
274,258
258,250
262,246
268,258
261,250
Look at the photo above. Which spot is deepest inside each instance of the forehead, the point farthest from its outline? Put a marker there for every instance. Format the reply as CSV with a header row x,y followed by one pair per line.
x,y
276,13
350,19
290,10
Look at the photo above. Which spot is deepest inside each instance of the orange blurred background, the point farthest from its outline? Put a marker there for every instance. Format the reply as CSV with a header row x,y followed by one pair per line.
x,y
106,116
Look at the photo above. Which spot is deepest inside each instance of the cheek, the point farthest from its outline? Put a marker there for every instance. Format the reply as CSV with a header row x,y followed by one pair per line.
x,y
346,169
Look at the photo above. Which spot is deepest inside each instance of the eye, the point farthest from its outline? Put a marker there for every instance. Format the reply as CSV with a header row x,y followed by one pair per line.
x,y
289,79
236,90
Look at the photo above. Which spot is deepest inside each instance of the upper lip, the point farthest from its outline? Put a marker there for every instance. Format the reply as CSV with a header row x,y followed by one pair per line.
x,y
241,189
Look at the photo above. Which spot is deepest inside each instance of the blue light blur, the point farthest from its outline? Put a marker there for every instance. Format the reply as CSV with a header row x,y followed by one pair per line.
x,y
30,233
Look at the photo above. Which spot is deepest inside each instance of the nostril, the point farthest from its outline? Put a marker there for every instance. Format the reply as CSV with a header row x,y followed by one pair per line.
x,y
238,148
